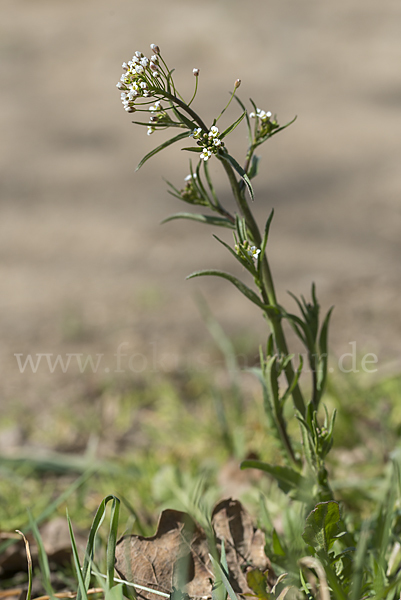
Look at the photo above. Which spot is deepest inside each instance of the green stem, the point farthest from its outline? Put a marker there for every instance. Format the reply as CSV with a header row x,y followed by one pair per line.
x,y
268,292
187,109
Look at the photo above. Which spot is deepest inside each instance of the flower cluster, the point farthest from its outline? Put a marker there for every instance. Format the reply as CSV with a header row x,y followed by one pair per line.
x,y
191,193
210,141
260,114
246,248
265,123
140,78
157,117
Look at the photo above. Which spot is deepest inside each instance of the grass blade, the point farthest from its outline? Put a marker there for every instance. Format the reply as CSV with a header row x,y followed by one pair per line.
x,y
81,585
43,561
29,561
224,577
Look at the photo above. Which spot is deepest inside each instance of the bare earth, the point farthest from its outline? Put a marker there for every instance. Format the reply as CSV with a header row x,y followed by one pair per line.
x,y
85,265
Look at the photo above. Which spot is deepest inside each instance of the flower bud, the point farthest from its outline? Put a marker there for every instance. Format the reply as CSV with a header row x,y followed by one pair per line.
x,y
195,72
237,83
155,48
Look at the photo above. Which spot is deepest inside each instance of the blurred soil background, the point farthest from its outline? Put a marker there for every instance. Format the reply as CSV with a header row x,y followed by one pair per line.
x,y
85,265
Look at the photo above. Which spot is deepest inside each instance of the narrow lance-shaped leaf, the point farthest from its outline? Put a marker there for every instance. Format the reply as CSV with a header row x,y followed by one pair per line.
x,y
112,541
274,132
82,585
193,149
268,404
254,168
287,478
224,577
169,142
294,382
323,358
237,167
242,105
207,219
209,181
183,118
244,289
232,126
238,257
264,242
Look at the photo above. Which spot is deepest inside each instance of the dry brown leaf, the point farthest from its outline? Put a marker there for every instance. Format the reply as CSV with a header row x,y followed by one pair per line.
x,y
180,548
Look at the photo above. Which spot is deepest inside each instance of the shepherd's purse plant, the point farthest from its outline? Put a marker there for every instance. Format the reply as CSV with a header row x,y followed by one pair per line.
x,y
333,556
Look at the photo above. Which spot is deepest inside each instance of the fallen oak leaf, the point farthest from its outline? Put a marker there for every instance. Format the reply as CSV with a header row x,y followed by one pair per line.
x,y
158,561
177,556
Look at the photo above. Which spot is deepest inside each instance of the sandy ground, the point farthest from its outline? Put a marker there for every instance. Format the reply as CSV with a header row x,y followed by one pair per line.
x,y
85,265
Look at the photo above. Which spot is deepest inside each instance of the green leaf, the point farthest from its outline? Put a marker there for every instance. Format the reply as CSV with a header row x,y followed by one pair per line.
x,y
42,557
323,358
264,242
82,585
274,132
254,169
277,545
257,581
207,219
268,402
224,577
169,142
232,126
90,546
287,478
242,105
183,119
244,289
115,593
322,526
230,159
193,149
238,257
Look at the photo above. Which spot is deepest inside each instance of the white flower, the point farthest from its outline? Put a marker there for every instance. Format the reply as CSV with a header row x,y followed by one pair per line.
x,y
154,59
150,130
156,107
217,142
190,177
206,154
125,66
213,131
253,252
138,54
197,133
139,69
155,48
195,72
252,115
